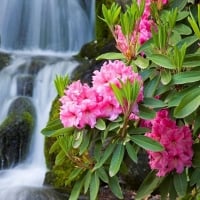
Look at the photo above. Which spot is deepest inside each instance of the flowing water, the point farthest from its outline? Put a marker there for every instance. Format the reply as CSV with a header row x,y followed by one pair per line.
x,y
51,31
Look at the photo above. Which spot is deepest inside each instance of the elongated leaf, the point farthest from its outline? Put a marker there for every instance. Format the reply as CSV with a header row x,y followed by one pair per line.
x,y
186,77
192,60
116,160
161,60
85,143
188,104
103,175
196,158
150,183
105,156
154,103
131,152
150,88
94,186
111,56
51,127
76,172
54,147
146,113
180,184
115,187
76,190
61,156
183,29
147,143
87,180
195,177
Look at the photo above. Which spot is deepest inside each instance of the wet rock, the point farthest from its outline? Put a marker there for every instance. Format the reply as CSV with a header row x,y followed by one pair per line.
x,y
16,132
25,85
4,60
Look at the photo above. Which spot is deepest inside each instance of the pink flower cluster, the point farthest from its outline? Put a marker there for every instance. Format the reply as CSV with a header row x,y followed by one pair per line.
x,y
177,142
83,105
126,44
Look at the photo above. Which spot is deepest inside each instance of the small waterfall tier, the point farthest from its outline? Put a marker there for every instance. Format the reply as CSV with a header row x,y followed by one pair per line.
x,y
58,25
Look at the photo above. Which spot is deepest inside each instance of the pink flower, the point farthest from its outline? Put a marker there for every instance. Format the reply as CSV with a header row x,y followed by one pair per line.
x,y
111,72
177,142
79,106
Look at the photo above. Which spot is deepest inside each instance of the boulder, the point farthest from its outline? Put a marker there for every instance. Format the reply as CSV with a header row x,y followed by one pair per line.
x,y
16,132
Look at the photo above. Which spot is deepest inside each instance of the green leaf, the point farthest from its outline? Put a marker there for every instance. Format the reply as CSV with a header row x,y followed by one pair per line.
x,y
85,143
188,104
165,76
192,60
146,113
87,180
186,77
78,138
151,87
161,60
180,183
74,174
100,125
131,152
164,187
103,175
183,29
60,158
51,127
118,94
111,56
105,156
153,103
195,177
116,160
146,143
94,186
141,62
141,130
55,146
150,183
180,4
182,15
76,190
61,83
188,41
115,187
196,157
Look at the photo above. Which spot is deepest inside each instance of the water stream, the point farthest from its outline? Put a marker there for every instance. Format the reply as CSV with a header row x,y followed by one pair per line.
x,y
53,31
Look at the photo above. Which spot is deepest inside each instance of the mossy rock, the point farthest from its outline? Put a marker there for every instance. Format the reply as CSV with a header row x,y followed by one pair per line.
x,y
16,132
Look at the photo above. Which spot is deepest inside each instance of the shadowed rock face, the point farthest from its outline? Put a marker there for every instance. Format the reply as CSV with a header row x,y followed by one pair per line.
x,y
16,132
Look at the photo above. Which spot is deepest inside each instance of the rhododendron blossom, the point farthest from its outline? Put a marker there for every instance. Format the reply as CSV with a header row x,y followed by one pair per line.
x,y
127,44
83,105
112,72
177,142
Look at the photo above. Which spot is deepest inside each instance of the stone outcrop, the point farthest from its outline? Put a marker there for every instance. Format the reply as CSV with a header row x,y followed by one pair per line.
x,y
16,132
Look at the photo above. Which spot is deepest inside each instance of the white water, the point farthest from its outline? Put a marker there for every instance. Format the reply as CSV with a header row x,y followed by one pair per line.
x,y
45,24
28,30
31,173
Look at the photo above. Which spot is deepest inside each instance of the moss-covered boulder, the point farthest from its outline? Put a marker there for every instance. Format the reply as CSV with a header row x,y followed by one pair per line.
x,y
16,132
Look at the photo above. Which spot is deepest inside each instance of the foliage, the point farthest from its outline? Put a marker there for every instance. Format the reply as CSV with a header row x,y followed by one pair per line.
x,y
155,104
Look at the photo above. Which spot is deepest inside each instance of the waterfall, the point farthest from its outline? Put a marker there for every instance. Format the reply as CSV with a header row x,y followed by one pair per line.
x,y
57,25
50,31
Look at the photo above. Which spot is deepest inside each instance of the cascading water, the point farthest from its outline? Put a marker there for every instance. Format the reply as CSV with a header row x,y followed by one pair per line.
x,y
36,30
